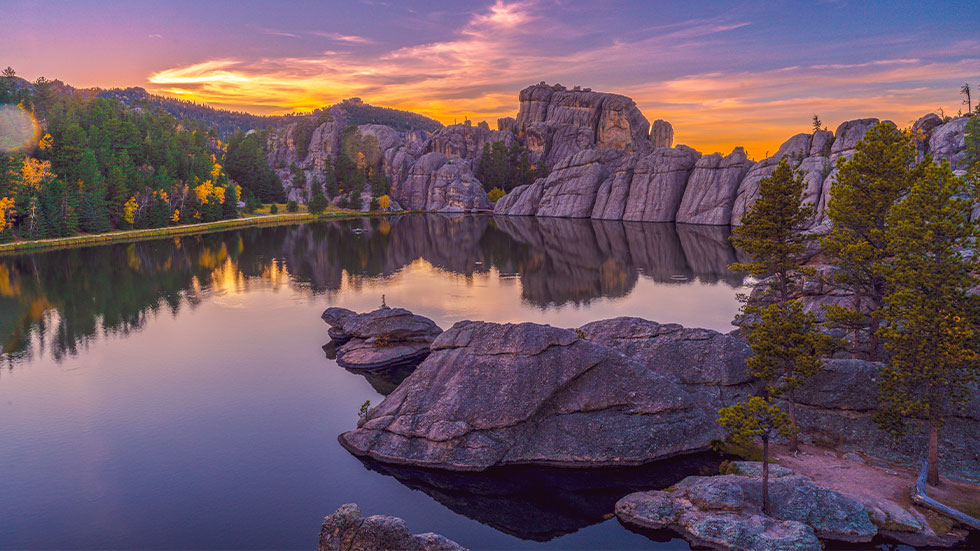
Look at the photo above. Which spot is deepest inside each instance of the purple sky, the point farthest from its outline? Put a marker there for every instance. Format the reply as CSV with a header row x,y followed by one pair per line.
x,y
749,74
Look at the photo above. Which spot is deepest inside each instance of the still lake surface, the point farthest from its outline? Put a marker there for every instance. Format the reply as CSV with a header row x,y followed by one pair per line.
x,y
176,394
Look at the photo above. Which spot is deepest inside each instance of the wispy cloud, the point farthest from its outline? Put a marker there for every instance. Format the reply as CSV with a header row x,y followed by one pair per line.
x,y
477,68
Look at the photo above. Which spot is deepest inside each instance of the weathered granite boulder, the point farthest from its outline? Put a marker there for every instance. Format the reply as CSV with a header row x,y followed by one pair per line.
x,y
711,189
335,317
661,134
383,338
551,143
947,141
726,511
848,134
521,201
610,202
497,394
694,357
570,190
455,189
507,124
348,530
658,184
413,193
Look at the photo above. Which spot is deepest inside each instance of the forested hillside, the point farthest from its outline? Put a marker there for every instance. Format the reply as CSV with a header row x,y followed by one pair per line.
x,y
98,164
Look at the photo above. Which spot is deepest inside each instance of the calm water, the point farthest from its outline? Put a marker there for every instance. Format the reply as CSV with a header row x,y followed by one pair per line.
x,y
176,393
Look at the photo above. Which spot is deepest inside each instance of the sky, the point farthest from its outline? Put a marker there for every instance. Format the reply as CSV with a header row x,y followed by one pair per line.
x,y
723,73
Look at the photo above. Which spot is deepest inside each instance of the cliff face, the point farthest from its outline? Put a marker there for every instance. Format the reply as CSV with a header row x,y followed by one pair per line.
x,y
605,159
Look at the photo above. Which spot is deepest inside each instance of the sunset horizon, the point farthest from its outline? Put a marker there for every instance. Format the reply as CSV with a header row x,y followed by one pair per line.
x,y
740,77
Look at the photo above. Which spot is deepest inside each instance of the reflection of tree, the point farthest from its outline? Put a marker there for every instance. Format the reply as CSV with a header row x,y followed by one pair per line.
x,y
61,299
541,503
65,298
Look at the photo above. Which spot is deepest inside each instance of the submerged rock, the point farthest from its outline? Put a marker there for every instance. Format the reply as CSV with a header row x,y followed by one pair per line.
x,y
496,394
348,530
383,338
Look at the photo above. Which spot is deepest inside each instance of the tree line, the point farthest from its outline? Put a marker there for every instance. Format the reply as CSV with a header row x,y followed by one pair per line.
x,y
100,165
902,246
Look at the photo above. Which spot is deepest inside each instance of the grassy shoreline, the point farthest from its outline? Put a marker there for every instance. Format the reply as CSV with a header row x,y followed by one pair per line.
x,y
123,236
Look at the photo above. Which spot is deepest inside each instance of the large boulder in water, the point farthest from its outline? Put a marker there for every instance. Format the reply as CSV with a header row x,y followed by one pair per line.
x,y
348,530
496,394
658,184
383,338
708,364
570,190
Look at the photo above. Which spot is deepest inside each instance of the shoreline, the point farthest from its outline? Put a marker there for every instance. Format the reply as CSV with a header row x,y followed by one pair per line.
x,y
133,236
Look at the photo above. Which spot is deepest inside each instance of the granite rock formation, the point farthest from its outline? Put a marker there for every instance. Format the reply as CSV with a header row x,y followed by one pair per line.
x,y
348,530
496,394
380,339
724,512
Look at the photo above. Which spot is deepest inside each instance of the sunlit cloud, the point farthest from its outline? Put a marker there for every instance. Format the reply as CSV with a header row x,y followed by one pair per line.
x,y
476,70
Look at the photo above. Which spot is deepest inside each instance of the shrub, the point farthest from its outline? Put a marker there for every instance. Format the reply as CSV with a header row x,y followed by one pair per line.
x,y
292,206
274,209
318,204
374,204
496,194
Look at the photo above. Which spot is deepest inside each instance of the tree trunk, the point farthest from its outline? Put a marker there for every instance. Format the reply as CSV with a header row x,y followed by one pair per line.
x,y
932,478
873,339
794,440
765,474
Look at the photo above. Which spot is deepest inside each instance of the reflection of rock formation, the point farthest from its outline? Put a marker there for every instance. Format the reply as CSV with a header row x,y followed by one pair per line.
x,y
558,260
540,503
383,380
577,260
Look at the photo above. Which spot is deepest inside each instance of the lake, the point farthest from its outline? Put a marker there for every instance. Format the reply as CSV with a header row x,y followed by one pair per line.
x,y
176,393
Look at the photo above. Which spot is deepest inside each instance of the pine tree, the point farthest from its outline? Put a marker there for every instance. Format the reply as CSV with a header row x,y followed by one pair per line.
x,y
769,232
788,348
757,418
863,193
931,333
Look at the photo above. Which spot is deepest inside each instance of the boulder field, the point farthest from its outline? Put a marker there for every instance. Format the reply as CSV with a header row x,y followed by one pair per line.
x,y
605,161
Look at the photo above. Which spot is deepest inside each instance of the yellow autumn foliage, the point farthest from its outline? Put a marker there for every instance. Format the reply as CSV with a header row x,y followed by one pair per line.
x,y
129,210
215,171
6,212
34,171
176,217
384,202
46,142
207,189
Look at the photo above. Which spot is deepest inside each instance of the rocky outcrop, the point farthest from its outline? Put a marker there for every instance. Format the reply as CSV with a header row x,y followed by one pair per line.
x,y
658,184
661,134
708,364
455,189
725,512
383,338
496,394
465,142
413,193
348,530
570,190
711,189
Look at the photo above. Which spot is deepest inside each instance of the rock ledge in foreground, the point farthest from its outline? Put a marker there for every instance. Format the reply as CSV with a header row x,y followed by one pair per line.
x,y
348,530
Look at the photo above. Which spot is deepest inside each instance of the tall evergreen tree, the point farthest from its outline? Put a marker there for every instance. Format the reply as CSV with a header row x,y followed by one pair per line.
x,y
769,231
865,189
931,334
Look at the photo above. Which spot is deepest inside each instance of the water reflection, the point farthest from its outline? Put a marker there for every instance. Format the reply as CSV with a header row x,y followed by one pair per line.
x,y
58,301
542,503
